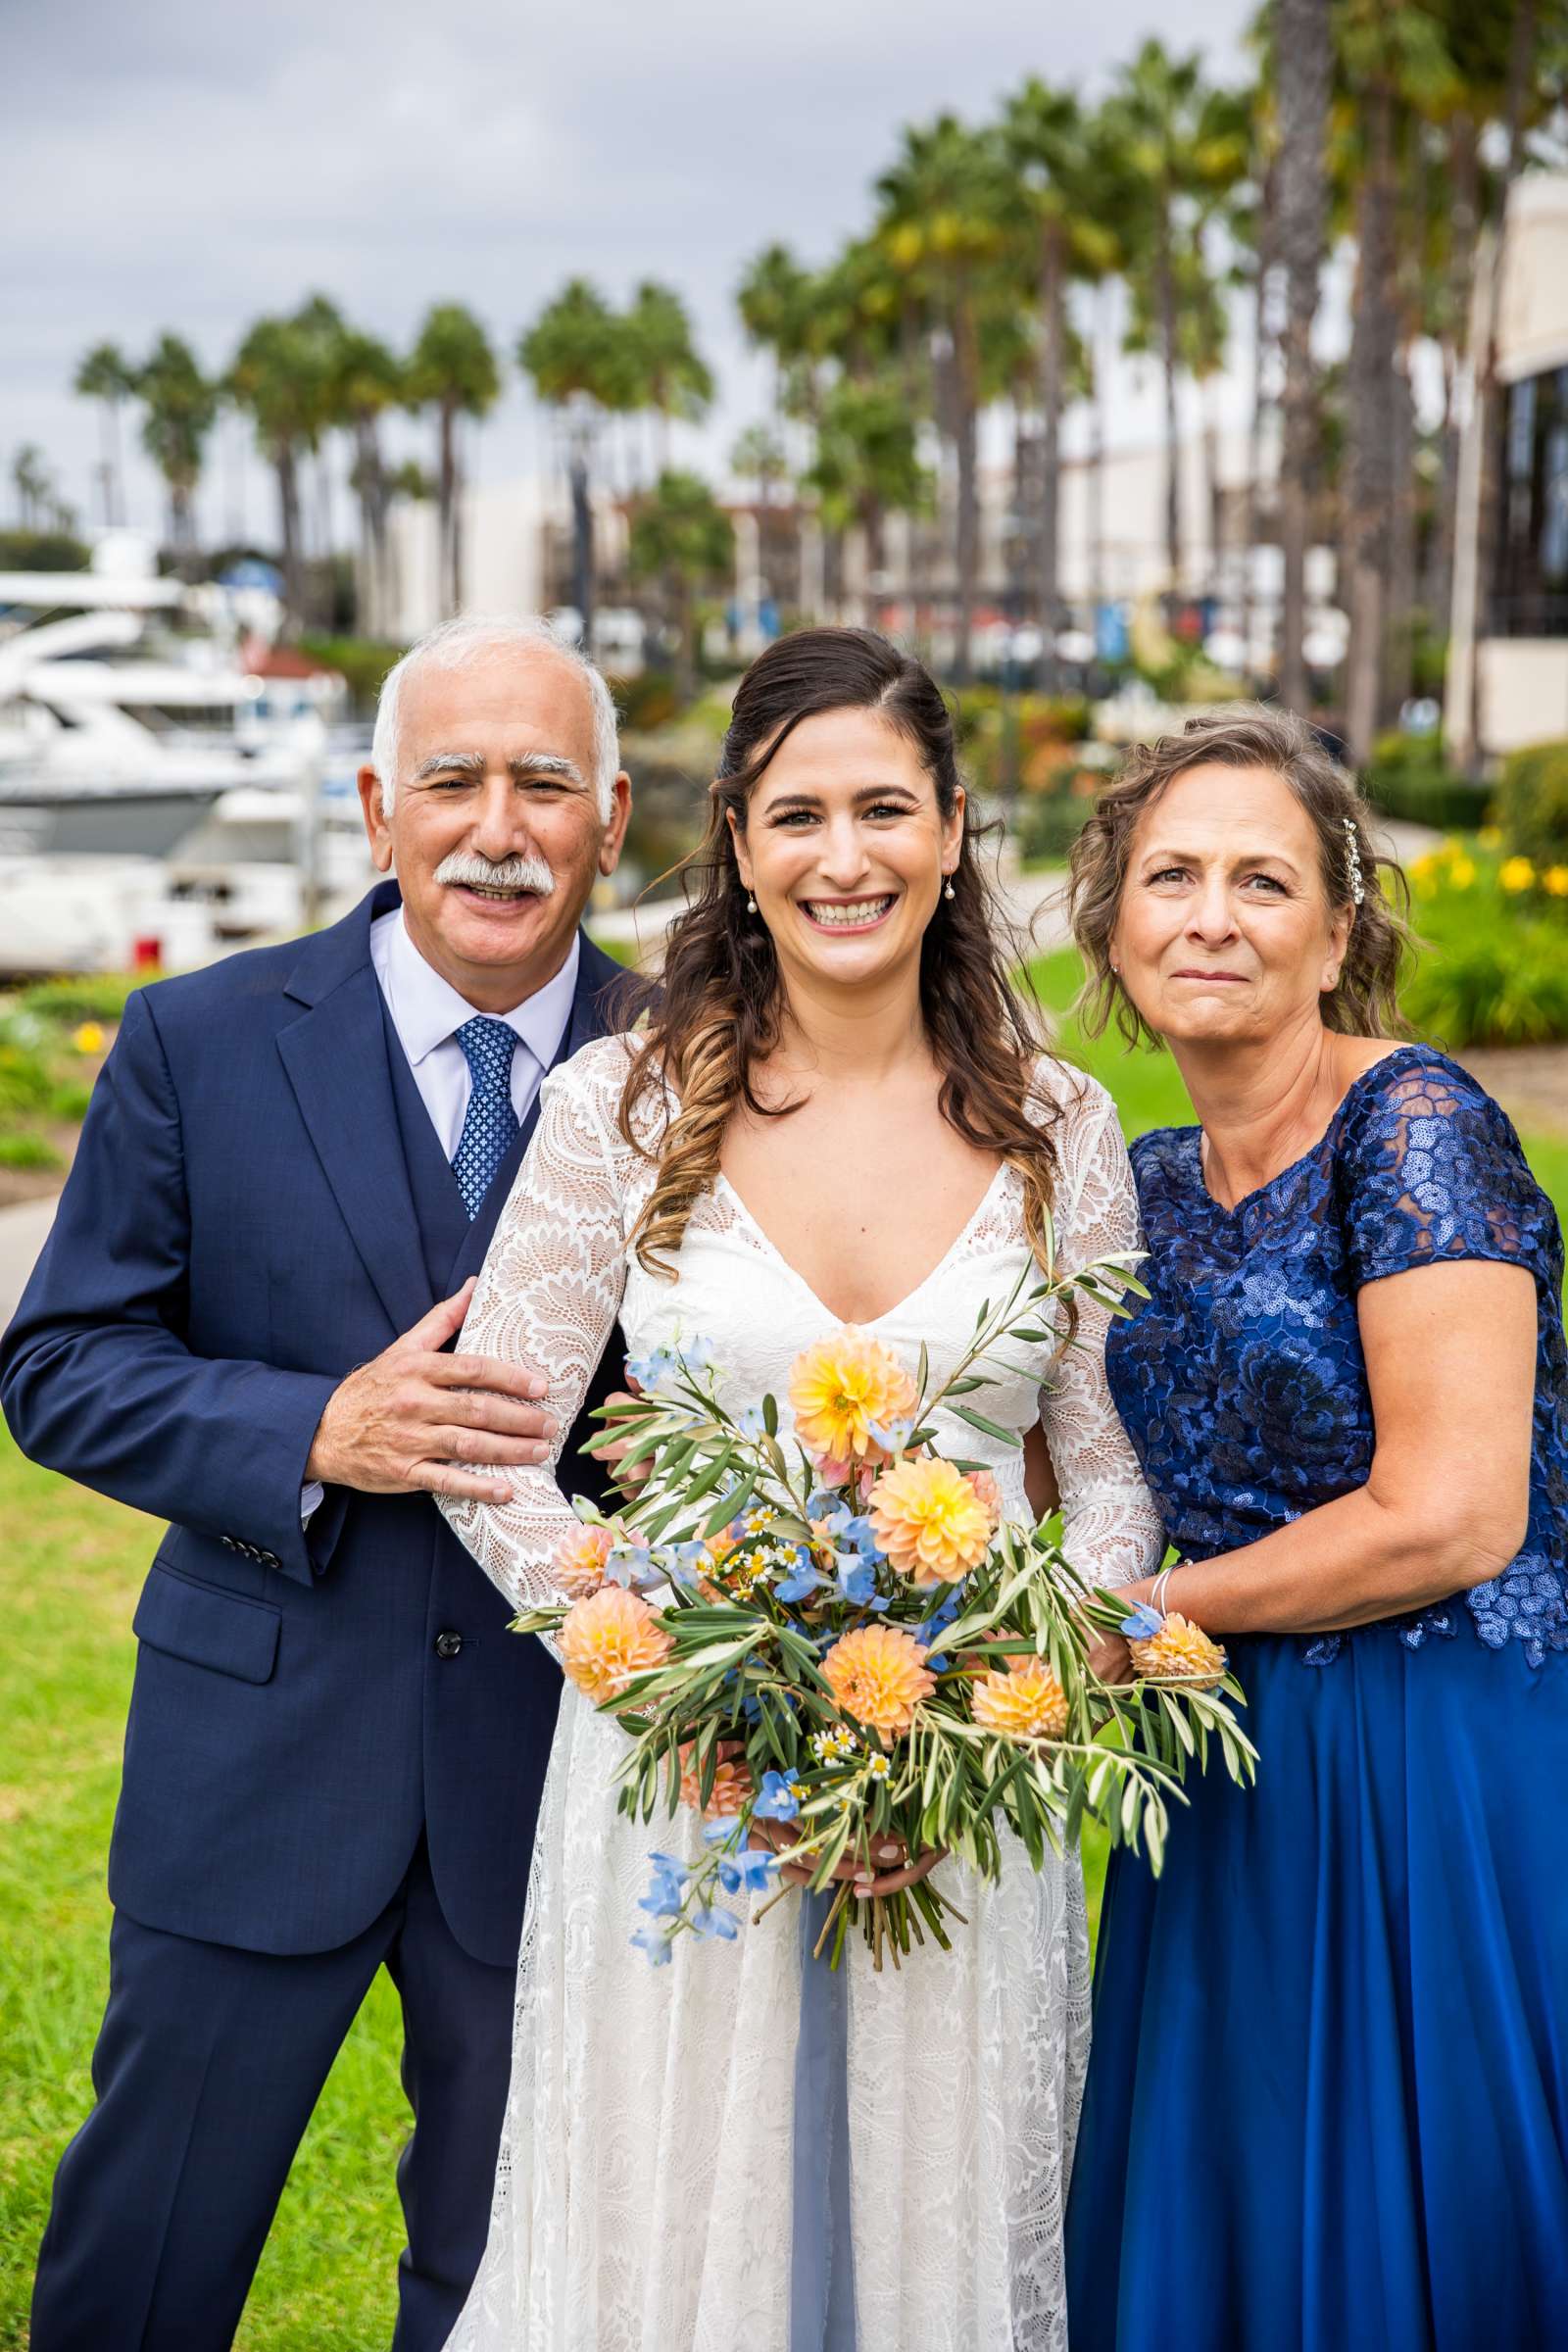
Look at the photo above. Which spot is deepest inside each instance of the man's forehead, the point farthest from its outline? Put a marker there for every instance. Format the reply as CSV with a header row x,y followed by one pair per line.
x,y
531,699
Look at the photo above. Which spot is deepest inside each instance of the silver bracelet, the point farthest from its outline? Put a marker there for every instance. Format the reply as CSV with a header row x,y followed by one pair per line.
x,y
1157,1597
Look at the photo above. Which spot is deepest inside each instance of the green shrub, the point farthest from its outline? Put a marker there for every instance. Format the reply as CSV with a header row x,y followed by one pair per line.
x,y
88,997
1048,823
1494,967
646,701
27,1151
1410,778
26,1082
1533,802
362,661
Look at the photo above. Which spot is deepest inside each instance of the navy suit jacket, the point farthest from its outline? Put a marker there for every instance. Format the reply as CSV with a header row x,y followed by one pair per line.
x,y
237,1232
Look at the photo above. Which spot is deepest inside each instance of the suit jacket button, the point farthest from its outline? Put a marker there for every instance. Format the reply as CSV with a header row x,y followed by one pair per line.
x,y
448,1645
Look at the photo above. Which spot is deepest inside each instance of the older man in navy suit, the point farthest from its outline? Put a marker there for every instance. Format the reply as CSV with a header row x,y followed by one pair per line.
x,y
288,1175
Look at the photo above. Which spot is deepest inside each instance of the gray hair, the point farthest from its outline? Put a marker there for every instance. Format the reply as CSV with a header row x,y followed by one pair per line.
x,y
455,642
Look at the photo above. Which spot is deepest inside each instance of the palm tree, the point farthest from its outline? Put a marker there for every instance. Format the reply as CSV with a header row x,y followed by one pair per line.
x,y
1390,55
1052,151
365,379
1303,75
944,211
451,370
866,465
577,353
682,537
180,409
107,376
33,484
674,377
279,377
1186,145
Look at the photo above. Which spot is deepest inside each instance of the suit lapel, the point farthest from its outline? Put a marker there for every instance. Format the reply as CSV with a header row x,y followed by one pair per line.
x,y
335,1058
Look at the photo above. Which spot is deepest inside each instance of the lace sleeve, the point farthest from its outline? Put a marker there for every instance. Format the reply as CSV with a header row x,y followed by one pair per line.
x,y
1111,1527
548,1294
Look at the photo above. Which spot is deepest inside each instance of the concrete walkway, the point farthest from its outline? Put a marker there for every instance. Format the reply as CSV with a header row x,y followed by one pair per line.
x,y
23,1230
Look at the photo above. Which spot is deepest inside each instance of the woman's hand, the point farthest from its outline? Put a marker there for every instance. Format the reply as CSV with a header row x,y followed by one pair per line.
x,y
1108,1656
898,1870
614,1455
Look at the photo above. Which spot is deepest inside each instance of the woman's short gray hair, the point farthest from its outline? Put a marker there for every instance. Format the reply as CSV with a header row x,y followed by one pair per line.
x,y
455,642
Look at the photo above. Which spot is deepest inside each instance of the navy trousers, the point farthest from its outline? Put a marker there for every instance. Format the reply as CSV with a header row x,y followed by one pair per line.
x,y
208,2067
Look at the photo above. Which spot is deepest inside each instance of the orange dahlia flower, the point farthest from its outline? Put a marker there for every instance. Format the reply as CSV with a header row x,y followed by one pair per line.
x,y
577,1565
929,1520
608,1639
878,1676
732,1783
840,1388
1180,1652
1027,1701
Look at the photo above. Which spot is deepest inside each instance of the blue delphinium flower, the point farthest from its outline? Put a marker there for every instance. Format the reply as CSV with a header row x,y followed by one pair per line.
x,y
930,1630
665,1889
749,1422
1142,1622
655,1944
723,1830
629,1564
695,1356
779,1800
892,1435
651,1370
748,1872
802,1580
715,1921
857,1582
682,1562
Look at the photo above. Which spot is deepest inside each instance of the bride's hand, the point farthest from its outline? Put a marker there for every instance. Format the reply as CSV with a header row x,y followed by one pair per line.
x,y
898,1872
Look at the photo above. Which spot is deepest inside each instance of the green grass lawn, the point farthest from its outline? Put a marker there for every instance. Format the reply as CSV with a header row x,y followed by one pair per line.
x,y
75,1565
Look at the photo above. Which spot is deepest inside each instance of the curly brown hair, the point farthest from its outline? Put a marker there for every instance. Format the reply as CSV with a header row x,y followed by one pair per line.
x,y
715,1014
1365,1002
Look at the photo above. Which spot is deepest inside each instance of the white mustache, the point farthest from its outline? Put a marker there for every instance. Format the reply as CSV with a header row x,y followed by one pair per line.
x,y
508,873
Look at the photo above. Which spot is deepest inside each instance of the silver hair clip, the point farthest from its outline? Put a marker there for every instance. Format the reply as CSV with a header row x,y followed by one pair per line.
x,y
1353,848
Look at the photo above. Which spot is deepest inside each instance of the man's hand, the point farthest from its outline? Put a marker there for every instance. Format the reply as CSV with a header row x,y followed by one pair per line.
x,y
397,1425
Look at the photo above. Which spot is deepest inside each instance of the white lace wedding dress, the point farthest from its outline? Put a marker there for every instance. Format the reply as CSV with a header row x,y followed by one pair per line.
x,y
643,2201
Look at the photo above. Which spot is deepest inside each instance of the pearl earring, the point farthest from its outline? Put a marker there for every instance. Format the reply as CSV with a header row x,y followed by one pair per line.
x,y
949,891
751,904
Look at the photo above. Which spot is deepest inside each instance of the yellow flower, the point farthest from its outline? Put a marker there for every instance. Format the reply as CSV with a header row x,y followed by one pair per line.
x,y
577,1565
1516,873
608,1639
88,1039
1555,879
929,1520
732,1783
1180,1652
1461,872
839,1389
1490,837
1027,1701
878,1676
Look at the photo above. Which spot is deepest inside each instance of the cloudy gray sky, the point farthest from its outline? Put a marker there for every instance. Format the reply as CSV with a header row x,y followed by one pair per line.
x,y
170,163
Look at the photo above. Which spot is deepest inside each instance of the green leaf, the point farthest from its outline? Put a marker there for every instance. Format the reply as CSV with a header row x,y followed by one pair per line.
x,y
990,1429
770,1415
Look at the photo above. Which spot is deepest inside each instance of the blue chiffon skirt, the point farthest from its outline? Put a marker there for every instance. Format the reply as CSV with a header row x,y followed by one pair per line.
x,y
1327,2107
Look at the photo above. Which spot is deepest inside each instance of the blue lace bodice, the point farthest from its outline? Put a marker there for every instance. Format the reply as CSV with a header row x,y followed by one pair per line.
x,y
1240,1379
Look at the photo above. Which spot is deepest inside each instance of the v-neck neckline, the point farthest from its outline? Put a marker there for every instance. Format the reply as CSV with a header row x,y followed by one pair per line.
x,y
865,1322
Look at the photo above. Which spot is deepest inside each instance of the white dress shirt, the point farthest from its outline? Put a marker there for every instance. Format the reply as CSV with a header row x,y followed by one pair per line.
x,y
428,1012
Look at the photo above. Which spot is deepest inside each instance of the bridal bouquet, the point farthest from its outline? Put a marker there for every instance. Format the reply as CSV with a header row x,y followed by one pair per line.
x,y
841,1636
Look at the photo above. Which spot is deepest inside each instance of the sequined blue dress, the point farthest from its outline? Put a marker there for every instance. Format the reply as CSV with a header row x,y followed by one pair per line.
x,y
1328,2100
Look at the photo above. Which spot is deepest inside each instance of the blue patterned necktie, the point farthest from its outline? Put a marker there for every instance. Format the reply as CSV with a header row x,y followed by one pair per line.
x,y
490,1124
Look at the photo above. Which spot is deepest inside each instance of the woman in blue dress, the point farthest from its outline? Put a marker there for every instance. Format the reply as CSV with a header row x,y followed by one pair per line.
x,y
1328,2100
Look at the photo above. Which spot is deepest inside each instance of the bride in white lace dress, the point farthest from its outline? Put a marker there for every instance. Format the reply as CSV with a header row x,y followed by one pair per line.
x,y
668,2183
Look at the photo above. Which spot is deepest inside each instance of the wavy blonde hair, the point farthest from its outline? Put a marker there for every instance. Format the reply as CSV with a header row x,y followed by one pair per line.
x,y
715,1014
